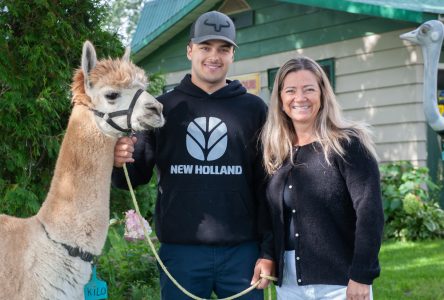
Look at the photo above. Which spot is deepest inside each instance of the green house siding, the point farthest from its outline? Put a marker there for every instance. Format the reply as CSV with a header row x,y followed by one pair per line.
x,y
317,36
170,57
279,27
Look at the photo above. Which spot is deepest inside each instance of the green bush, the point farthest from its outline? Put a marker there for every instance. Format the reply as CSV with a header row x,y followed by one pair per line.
x,y
146,198
129,268
410,201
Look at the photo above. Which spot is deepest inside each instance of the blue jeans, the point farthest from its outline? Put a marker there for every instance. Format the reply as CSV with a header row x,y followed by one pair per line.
x,y
201,269
290,290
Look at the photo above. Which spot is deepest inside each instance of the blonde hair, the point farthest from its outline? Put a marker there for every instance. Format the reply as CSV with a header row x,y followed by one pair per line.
x,y
278,133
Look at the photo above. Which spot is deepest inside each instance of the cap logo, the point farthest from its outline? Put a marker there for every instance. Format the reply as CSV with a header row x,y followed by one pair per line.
x,y
217,27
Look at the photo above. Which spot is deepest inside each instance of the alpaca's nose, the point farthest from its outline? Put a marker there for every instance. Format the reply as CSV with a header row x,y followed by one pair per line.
x,y
159,107
155,107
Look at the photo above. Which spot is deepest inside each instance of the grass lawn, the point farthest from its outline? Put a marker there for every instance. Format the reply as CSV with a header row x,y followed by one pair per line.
x,y
411,270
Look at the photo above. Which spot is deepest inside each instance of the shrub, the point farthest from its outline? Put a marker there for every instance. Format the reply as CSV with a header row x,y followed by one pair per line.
x,y
128,267
146,197
410,203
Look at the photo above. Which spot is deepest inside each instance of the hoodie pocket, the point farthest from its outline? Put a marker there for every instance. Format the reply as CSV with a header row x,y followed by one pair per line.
x,y
196,203
208,216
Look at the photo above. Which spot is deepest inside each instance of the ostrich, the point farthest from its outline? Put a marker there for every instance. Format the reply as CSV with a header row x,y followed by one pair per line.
x,y
48,256
429,36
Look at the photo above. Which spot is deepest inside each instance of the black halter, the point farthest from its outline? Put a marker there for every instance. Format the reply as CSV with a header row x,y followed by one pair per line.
x,y
128,112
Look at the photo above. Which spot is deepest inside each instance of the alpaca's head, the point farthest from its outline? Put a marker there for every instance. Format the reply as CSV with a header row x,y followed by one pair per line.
x,y
427,34
108,86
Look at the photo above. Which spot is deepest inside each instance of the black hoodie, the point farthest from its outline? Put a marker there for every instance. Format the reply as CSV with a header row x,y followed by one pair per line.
x,y
210,176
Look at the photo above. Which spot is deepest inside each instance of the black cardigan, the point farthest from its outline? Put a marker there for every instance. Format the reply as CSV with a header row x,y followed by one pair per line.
x,y
338,215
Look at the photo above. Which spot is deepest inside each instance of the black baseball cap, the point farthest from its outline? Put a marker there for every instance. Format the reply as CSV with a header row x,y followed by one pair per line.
x,y
213,25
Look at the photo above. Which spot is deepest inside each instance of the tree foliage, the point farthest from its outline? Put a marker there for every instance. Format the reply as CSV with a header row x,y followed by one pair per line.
x,y
123,17
40,46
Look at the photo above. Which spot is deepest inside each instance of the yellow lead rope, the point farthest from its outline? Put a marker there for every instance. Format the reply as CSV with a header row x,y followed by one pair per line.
x,y
153,249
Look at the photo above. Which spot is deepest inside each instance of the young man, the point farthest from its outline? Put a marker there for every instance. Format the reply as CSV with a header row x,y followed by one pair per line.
x,y
210,213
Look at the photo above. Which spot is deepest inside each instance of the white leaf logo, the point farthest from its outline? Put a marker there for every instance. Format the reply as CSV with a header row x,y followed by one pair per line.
x,y
206,138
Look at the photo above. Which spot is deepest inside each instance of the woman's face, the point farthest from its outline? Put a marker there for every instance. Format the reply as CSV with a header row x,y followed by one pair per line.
x,y
301,97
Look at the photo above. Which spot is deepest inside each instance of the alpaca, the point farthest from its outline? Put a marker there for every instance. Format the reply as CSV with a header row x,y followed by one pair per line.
x,y
48,256
429,36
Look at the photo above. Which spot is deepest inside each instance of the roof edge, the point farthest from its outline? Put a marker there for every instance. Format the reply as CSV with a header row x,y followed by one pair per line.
x,y
369,9
169,23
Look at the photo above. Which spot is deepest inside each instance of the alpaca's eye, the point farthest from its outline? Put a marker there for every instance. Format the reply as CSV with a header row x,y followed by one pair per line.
x,y
112,96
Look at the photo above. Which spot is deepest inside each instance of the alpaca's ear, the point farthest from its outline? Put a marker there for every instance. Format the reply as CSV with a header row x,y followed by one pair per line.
x,y
89,60
126,56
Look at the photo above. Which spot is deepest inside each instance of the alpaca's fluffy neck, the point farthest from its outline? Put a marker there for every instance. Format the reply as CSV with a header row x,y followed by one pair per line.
x,y
76,210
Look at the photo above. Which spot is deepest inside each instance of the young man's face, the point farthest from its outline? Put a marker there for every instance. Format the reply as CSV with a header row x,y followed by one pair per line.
x,y
209,63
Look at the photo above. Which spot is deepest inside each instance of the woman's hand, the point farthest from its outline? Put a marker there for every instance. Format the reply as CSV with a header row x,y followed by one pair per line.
x,y
357,291
263,266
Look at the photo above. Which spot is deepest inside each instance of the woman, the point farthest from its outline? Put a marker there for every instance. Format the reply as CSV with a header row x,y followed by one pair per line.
x,y
323,190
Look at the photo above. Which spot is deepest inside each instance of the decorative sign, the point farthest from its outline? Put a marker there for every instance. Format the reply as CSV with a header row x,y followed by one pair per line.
x,y
95,289
252,82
